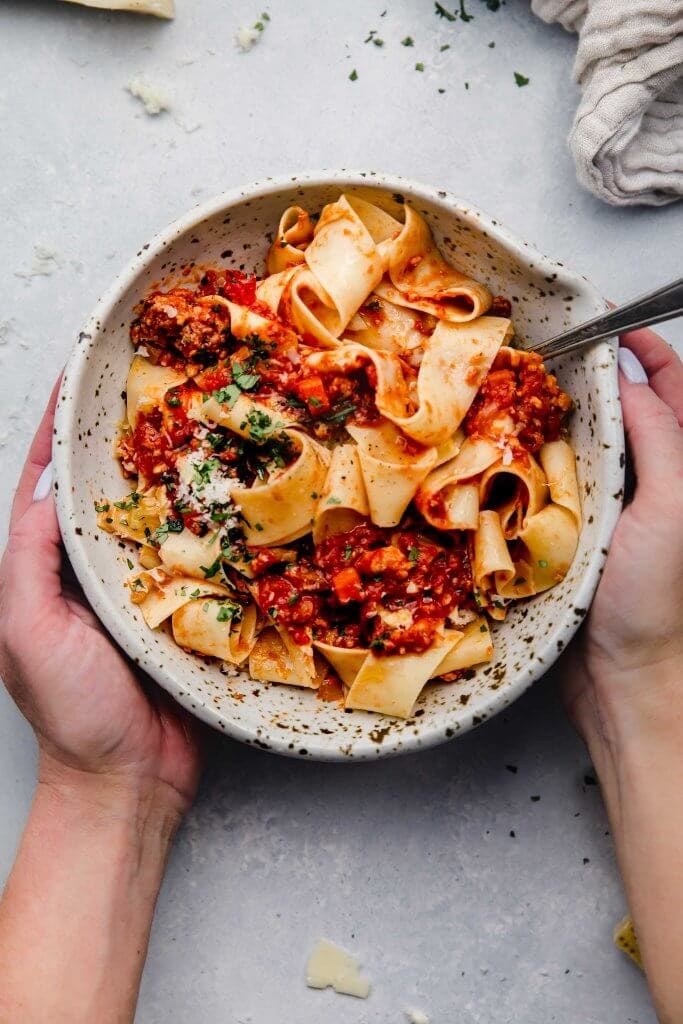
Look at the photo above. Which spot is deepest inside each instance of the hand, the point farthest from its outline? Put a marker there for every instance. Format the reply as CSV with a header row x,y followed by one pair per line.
x,y
96,726
624,671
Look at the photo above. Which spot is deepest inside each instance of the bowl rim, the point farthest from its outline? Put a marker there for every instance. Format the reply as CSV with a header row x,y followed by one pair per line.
x,y
95,591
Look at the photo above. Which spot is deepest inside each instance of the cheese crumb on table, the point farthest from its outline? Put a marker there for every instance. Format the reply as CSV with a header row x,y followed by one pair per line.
x,y
417,1017
151,96
329,965
246,37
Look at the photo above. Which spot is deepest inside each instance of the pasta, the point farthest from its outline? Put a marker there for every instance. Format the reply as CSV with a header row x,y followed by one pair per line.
x,y
341,473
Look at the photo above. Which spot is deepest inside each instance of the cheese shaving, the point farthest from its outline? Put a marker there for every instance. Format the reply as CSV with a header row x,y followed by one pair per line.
x,y
329,965
151,96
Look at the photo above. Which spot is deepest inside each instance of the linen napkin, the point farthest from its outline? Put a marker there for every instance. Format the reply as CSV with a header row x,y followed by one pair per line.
x,y
627,136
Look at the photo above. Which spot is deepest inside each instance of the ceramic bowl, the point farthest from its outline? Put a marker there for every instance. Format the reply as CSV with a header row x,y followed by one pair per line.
x,y
236,228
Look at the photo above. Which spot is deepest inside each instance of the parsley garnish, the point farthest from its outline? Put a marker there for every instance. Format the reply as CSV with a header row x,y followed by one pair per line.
x,y
419,66
259,527
261,426
521,79
293,598
464,16
348,552
413,553
333,501
339,415
446,46
202,474
211,570
407,41
353,77
377,644
272,611
173,401
441,12
101,508
162,532
129,564
542,563
228,395
482,628
244,380
127,504
228,611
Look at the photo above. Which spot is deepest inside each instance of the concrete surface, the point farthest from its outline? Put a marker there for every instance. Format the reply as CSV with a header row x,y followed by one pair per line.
x,y
412,864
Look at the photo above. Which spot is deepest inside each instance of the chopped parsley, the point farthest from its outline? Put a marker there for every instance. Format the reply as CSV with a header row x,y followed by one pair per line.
x,y
521,79
482,628
132,501
353,77
333,501
542,563
272,611
377,644
261,425
228,395
259,527
446,46
211,570
348,552
407,41
129,564
419,66
464,16
228,611
170,526
172,400
244,380
202,474
339,415
441,12
293,598
102,508
413,553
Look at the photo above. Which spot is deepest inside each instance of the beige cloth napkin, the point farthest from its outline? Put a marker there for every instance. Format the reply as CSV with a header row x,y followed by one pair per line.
x,y
627,136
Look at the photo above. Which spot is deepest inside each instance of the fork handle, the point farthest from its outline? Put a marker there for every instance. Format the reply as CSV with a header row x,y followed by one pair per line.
x,y
663,304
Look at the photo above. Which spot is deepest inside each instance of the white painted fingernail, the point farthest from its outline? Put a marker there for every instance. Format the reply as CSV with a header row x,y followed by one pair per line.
x,y
631,367
44,485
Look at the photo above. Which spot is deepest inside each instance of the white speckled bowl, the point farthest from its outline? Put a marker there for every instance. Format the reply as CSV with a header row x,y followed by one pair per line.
x,y
236,227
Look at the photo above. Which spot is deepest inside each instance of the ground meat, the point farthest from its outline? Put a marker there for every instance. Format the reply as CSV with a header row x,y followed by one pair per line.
x,y
177,323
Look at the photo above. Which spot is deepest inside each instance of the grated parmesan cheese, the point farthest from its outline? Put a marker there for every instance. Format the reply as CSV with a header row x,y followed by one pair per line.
x,y
329,965
246,37
417,1017
151,96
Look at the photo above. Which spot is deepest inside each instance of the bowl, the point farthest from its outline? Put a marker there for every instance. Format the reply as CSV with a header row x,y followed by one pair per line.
x,y
234,228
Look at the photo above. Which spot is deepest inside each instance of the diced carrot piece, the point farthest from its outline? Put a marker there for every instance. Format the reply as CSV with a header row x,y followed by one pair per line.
x,y
311,390
348,586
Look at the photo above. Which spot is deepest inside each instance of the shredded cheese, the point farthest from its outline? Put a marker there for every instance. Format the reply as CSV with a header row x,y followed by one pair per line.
x,y
246,37
151,96
329,965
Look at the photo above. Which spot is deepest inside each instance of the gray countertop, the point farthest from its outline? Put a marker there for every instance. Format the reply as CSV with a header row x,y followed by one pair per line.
x,y
460,891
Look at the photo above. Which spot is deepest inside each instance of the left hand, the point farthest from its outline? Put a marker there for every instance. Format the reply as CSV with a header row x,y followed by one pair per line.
x,y
94,721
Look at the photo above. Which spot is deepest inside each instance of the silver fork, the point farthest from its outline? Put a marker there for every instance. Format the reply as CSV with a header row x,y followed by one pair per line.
x,y
663,304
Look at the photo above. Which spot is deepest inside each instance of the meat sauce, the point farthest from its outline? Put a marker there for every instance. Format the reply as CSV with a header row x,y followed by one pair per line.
x,y
524,392
388,589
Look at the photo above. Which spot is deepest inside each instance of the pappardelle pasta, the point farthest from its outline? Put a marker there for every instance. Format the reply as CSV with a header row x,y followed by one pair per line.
x,y
344,470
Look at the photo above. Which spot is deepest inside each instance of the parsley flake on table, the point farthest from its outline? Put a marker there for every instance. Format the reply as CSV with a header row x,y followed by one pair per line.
x,y
441,12
419,66
521,79
464,16
407,41
353,77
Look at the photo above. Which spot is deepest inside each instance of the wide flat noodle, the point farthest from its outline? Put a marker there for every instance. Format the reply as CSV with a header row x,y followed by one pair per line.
x,y
147,385
294,233
138,518
275,658
241,417
420,278
492,565
528,496
197,626
474,647
343,502
159,595
391,475
551,538
159,8
390,684
282,508
390,328
559,465
346,661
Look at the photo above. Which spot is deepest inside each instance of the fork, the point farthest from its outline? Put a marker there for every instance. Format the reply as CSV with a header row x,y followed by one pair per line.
x,y
663,304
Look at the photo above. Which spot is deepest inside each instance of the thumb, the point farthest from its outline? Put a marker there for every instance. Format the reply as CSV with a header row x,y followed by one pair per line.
x,y
651,426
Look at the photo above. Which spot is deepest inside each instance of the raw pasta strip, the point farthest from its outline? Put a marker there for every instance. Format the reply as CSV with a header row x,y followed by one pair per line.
x,y
197,626
147,385
390,684
420,278
294,233
390,474
343,502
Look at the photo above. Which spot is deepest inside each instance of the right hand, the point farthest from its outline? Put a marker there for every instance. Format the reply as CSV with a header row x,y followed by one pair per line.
x,y
626,664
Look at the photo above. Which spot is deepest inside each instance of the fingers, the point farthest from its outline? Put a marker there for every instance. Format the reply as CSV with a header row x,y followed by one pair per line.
x,y
38,457
29,573
655,437
661,364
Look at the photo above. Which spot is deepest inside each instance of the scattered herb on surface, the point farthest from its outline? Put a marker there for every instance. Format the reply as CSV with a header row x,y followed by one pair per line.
x,y
521,79
419,66
353,77
170,526
441,12
464,16
407,41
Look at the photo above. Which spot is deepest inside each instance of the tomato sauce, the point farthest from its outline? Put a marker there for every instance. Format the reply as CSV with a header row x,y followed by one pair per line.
x,y
530,397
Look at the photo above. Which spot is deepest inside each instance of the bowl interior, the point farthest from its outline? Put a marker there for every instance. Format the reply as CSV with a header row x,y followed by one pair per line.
x,y
235,230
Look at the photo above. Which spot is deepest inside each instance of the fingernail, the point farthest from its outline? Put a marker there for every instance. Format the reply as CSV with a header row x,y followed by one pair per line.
x,y
631,367
44,485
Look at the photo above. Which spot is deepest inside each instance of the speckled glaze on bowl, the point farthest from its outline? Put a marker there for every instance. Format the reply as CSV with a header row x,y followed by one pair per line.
x,y
236,228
